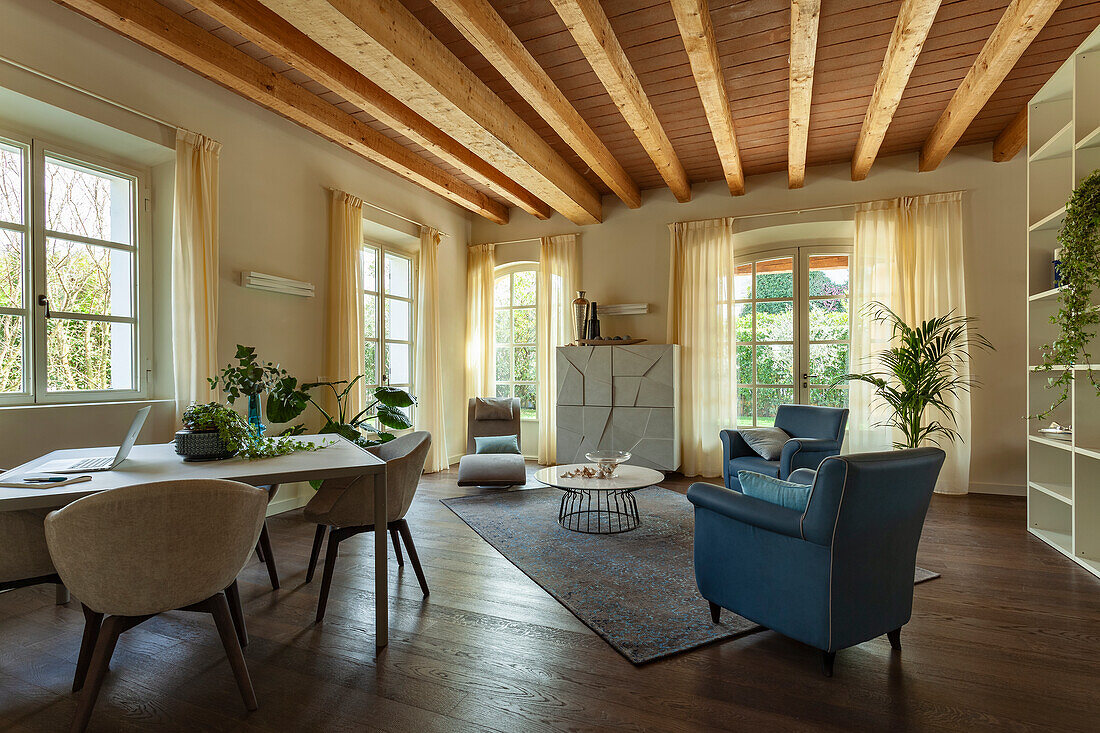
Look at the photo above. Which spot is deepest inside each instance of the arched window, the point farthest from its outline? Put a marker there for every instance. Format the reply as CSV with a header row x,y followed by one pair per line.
x,y
515,301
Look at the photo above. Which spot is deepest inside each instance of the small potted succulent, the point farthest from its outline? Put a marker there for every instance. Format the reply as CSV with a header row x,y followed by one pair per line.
x,y
201,439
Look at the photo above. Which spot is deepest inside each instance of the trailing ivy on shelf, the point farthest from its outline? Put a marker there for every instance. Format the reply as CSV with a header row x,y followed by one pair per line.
x,y
237,434
1077,317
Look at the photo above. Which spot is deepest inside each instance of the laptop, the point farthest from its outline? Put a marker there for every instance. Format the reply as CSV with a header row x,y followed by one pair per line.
x,y
101,463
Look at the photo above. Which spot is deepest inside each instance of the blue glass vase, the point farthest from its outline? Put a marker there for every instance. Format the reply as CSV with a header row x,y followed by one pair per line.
x,y
254,417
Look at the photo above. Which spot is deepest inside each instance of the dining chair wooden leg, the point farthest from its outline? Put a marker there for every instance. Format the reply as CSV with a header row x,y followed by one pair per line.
x,y
326,578
318,540
93,620
101,659
269,557
396,546
236,612
219,608
260,552
406,536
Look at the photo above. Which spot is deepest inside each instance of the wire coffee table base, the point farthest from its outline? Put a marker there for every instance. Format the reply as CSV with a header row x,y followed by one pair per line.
x,y
599,511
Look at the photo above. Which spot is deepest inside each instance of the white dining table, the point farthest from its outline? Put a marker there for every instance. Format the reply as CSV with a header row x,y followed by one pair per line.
x,y
339,458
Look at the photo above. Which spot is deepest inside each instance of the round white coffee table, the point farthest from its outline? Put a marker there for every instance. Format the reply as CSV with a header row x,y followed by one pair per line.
x,y
595,505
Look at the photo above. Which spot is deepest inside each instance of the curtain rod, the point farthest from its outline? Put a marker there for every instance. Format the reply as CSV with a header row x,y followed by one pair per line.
x,y
93,95
803,210
387,211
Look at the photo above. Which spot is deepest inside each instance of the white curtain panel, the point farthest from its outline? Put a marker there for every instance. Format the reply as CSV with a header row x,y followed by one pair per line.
x,y
195,268
559,277
429,357
343,357
480,360
701,320
908,255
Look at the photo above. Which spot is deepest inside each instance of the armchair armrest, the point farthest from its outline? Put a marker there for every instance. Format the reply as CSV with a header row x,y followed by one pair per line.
x,y
733,445
746,509
805,453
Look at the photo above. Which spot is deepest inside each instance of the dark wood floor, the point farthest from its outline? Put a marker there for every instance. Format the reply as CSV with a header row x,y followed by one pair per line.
x,y
1008,639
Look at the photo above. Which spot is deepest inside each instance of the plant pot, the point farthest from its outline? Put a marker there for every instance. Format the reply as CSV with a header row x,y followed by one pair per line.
x,y
201,445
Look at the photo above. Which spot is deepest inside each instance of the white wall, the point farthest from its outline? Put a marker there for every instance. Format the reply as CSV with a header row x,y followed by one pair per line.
x,y
274,217
625,260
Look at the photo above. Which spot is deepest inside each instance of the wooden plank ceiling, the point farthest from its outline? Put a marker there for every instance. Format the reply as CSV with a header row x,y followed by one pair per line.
x,y
753,42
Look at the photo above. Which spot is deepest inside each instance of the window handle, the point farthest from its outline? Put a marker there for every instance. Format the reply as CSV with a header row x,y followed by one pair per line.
x,y
43,300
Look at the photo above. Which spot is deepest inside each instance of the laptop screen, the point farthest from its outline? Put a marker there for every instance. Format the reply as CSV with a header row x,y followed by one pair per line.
x,y
131,435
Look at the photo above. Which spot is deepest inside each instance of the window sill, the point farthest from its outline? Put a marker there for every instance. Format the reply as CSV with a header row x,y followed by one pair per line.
x,y
89,403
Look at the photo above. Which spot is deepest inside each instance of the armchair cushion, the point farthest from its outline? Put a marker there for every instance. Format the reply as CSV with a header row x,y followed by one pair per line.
x,y
776,491
766,442
496,444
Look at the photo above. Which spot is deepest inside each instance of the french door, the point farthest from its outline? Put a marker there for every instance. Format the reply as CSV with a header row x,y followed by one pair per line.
x,y
793,310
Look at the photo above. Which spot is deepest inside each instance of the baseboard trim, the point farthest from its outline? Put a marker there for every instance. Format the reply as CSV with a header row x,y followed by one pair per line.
x,y
288,504
998,489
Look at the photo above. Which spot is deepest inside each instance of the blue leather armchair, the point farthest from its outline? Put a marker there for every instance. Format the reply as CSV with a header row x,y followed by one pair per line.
x,y
816,433
839,573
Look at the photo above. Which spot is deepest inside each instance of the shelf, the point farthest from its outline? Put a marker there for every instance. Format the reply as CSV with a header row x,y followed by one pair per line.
x,y
1092,140
1063,444
1060,145
1090,452
1056,491
1050,221
1052,293
1060,541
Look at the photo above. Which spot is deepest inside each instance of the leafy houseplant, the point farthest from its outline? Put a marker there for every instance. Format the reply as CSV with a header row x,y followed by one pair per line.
x,y
923,368
250,378
1077,317
287,400
236,434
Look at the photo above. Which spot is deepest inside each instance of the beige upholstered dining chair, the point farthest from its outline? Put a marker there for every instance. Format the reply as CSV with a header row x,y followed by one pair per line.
x,y
131,553
24,557
347,506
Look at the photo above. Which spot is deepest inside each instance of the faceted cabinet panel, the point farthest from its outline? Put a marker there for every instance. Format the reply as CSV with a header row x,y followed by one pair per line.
x,y
620,398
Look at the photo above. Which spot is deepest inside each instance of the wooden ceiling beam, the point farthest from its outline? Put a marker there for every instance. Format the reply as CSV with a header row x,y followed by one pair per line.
x,y
804,20
1012,139
169,34
259,25
910,32
693,19
382,40
483,27
1019,25
590,28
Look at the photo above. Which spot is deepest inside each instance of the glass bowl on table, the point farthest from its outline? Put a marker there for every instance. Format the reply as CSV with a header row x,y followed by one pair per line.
x,y
607,461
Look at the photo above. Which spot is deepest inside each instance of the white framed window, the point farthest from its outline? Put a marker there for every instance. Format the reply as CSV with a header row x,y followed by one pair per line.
x,y
516,335
72,249
389,317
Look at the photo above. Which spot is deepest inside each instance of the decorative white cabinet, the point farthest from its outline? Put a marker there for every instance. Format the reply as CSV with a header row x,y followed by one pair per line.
x,y
1063,477
620,398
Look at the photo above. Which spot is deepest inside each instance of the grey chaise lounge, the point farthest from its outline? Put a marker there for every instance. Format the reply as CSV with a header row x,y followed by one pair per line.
x,y
491,469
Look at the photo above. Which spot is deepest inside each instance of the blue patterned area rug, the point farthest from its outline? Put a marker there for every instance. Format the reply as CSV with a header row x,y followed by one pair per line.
x,y
636,589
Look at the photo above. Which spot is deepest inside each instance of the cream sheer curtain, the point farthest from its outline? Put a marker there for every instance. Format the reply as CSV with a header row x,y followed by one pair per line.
x,y
700,319
195,268
559,275
480,279
429,357
908,255
344,306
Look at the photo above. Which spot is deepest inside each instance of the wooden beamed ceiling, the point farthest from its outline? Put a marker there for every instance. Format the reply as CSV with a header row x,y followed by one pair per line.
x,y
547,105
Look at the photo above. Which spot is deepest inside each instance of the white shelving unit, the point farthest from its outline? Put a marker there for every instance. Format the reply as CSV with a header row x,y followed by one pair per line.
x,y
1063,482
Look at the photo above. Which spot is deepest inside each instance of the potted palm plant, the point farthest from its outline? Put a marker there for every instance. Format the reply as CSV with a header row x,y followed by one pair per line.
x,y
923,367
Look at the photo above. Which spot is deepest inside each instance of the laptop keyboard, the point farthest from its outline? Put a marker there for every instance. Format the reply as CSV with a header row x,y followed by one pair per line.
x,y
89,463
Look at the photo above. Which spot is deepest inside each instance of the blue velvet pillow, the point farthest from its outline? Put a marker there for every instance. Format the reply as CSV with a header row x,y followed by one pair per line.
x,y
773,490
497,444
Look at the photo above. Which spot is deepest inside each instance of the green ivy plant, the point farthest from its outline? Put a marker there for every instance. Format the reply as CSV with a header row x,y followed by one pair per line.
x,y
237,434
385,409
1077,317
923,367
